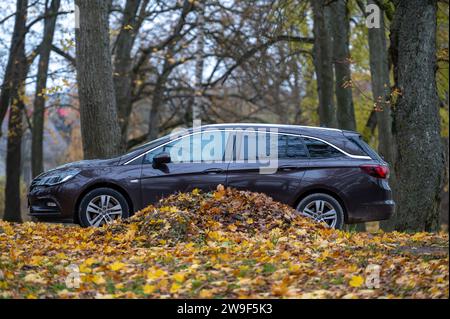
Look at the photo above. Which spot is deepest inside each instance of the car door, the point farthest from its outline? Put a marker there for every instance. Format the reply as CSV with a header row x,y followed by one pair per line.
x,y
287,154
197,161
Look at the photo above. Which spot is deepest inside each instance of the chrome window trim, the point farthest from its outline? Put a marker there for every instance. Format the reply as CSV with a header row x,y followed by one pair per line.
x,y
175,139
243,130
340,150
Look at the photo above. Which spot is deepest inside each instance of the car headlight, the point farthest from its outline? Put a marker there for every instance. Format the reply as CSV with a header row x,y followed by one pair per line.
x,y
53,178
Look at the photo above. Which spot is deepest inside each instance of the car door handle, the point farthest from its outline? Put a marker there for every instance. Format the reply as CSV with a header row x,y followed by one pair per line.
x,y
287,167
213,171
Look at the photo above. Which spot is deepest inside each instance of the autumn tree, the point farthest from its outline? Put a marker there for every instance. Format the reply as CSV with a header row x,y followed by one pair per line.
x,y
381,87
340,26
416,127
45,48
323,62
13,96
100,127
133,15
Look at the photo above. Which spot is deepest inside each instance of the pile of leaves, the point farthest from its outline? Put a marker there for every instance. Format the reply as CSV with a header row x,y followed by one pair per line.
x,y
197,216
221,244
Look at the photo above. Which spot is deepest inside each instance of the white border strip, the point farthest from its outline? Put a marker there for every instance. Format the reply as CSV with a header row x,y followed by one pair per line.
x,y
243,130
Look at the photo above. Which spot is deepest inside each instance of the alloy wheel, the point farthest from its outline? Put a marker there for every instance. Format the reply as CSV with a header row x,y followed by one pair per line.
x,y
103,209
322,211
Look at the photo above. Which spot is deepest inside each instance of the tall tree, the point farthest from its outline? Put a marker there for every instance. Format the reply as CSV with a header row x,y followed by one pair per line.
x,y
37,163
340,26
16,91
8,87
416,126
199,62
100,128
131,21
381,88
323,63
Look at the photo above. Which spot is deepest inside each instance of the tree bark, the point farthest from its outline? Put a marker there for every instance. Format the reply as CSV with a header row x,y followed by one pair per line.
x,y
6,88
123,77
100,129
37,162
15,101
416,127
340,24
17,40
157,101
381,89
199,63
323,64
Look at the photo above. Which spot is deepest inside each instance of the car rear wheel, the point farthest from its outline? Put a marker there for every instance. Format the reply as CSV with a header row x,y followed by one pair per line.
x,y
322,208
102,206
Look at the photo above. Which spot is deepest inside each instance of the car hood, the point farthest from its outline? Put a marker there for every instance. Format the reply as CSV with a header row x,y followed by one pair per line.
x,y
90,163
82,165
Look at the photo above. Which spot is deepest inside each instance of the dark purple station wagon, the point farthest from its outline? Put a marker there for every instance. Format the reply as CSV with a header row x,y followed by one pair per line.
x,y
329,175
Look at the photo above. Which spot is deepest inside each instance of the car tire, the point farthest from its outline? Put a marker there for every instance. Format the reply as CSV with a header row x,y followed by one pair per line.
x,y
101,206
323,208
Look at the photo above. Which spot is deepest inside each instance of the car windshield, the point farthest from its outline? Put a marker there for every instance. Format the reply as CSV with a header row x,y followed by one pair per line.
x,y
136,150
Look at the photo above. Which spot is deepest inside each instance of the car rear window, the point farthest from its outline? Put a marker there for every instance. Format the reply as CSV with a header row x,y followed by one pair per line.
x,y
319,149
358,141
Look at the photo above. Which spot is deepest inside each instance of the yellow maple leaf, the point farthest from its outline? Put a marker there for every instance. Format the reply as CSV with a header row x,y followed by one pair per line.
x,y
155,274
61,256
356,281
90,261
117,265
174,288
98,280
179,277
85,269
220,192
149,289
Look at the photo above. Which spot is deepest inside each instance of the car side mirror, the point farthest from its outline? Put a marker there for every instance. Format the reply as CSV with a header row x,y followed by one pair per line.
x,y
160,159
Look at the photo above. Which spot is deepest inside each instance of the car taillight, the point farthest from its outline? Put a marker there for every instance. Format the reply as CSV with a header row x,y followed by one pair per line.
x,y
378,171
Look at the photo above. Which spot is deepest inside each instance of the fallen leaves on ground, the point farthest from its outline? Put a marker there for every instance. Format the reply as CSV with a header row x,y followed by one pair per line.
x,y
222,244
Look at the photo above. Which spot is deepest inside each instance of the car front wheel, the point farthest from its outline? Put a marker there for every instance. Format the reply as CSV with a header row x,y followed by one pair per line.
x,y
322,208
102,206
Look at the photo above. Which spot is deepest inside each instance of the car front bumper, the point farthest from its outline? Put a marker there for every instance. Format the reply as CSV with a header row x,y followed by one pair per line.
x,y
51,203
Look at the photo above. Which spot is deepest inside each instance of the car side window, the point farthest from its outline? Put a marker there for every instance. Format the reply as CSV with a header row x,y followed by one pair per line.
x,y
319,149
195,148
287,146
291,147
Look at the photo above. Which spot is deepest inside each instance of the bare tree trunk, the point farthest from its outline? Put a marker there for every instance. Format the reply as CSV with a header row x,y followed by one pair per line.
x,y
37,163
444,192
100,130
381,88
14,143
340,24
157,101
419,154
6,88
196,105
153,125
131,22
323,64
